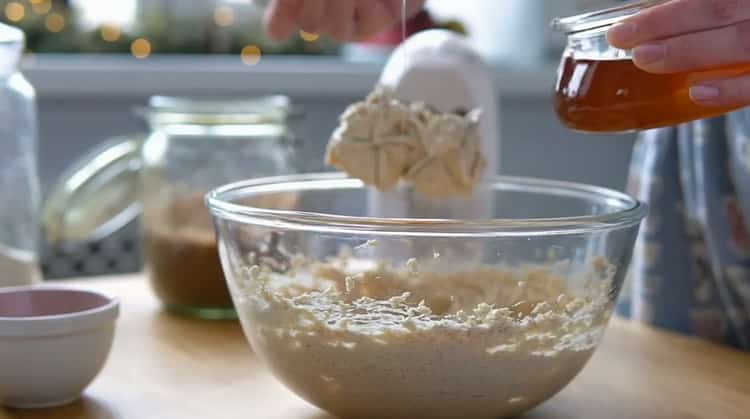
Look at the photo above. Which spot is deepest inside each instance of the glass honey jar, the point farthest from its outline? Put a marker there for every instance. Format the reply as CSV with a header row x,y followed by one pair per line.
x,y
599,88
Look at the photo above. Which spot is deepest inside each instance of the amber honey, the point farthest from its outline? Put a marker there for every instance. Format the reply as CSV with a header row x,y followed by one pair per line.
x,y
613,95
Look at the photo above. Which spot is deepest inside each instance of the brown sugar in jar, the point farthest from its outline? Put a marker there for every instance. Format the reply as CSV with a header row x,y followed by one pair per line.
x,y
182,260
599,88
186,272
194,146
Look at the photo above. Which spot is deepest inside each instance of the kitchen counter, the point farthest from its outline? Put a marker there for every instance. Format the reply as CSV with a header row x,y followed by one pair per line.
x,y
165,367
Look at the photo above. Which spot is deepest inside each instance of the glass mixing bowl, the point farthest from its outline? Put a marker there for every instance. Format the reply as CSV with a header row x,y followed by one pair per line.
x,y
370,317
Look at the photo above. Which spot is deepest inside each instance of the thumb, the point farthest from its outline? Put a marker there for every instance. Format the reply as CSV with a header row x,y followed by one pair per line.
x,y
733,92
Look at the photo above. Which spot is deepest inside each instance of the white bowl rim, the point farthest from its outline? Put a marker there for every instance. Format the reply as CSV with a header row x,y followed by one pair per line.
x,y
59,324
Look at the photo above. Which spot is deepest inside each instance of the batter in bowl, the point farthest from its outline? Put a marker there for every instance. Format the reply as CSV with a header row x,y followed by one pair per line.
x,y
368,340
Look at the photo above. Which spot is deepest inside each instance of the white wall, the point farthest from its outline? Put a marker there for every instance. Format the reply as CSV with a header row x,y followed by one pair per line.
x,y
508,30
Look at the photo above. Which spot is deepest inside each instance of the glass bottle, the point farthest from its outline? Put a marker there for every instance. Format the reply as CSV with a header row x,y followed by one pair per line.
x,y
19,180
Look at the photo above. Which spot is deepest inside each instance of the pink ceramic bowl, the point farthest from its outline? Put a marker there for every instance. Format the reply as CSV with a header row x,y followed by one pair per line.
x,y
53,343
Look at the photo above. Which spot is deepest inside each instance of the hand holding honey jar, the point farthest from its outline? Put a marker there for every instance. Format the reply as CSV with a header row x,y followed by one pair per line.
x,y
654,63
694,35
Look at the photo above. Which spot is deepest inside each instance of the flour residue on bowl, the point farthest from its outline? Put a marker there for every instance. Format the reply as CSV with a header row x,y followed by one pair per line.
x,y
365,339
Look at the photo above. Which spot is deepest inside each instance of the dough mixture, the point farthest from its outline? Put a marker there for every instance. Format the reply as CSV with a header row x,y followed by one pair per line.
x,y
365,339
383,141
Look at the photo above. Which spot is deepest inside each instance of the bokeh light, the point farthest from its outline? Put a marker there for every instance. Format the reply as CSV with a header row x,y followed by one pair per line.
x,y
15,11
224,16
41,7
251,55
140,48
309,36
110,32
55,22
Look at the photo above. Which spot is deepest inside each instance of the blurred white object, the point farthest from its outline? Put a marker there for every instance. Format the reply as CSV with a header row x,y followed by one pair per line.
x,y
19,181
93,13
440,68
53,343
508,31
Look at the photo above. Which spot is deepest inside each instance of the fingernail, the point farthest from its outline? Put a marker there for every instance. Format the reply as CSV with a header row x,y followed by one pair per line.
x,y
649,53
704,93
621,33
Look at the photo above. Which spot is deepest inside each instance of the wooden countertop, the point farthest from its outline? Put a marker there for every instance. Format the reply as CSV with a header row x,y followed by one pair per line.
x,y
165,367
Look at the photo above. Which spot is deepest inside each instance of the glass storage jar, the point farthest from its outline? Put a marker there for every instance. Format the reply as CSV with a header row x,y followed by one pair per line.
x,y
19,180
599,88
193,146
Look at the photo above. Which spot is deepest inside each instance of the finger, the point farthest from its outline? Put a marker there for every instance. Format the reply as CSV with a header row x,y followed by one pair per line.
x,y
696,51
677,17
340,20
734,92
310,16
372,17
280,18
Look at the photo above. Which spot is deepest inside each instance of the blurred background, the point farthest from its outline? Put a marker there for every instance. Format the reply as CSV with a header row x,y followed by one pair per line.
x,y
92,62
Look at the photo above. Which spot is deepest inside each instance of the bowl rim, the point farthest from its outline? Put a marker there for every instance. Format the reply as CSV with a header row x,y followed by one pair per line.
x,y
220,205
59,324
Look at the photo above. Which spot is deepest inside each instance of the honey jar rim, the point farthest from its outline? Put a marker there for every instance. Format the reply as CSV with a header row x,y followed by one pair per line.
x,y
601,18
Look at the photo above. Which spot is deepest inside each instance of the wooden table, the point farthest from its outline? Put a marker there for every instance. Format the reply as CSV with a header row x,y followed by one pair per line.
x,y
165,367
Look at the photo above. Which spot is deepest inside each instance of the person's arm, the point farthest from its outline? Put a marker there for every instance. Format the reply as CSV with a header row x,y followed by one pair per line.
x,y
688,35
344,20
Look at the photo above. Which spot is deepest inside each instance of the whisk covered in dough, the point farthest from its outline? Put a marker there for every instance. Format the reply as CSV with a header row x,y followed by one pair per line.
x,y
383,140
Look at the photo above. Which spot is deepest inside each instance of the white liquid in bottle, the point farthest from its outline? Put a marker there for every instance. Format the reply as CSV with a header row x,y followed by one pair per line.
x,y
19,179
17,267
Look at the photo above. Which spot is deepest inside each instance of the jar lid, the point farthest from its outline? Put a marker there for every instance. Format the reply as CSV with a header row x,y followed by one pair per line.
x,y
601,18
98,195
